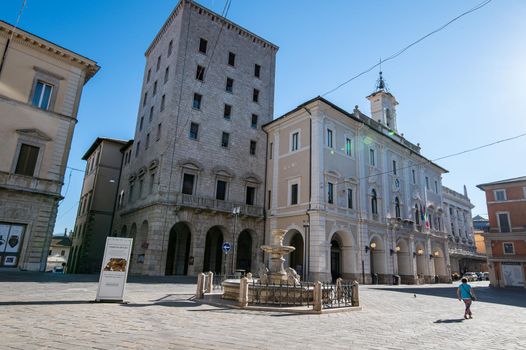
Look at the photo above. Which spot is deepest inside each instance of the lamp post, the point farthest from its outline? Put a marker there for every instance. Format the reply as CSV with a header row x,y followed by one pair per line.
x,y
235,212
306,250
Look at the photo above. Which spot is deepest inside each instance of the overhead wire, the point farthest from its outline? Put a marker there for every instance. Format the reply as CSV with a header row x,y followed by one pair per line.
x,y
401,51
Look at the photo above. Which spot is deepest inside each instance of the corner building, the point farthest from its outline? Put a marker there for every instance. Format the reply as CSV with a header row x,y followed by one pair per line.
x,y
199,151
351,192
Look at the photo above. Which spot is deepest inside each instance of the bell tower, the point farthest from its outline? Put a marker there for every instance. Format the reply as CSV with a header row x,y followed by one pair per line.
x,y
383,105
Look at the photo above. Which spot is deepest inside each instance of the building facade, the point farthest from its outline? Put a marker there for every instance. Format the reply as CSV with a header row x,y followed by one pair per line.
x,y
358,200
458,223
480,227
40,89
58,252
199,151
506,239
97,204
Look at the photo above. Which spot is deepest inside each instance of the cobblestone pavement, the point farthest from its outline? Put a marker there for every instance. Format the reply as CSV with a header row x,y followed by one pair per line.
x,y
40,311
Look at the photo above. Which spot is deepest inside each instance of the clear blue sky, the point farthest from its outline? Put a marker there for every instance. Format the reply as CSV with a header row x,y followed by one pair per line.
x,y
458,89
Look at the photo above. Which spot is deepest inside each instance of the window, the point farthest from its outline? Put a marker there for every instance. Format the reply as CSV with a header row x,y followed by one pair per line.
x,y
200,73
500,195
148,75
427,183
62,252
141,185
163,101
141,122
294,144
27,160
166,74
270,150
49,253
394,167
251,195
145,99
221,190
436,186
152,183
202,45
231,59
329,138
294,194
504,222
374,202
188,184
349,198
229,85
130,198
397,207
224,139
227,113
154,88
257,70
330,193
413,173
170,47
254,121
150,118
159,126
197,101
147,141
194,131
42,95
371,157
348,146
417,215
158,64
255,95
508,248
137,148
253,147
269,199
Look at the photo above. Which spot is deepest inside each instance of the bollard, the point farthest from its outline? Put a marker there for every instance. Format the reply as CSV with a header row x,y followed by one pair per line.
x,y
355,295
249,276
200,292
243,292
317,295
339,289
209,282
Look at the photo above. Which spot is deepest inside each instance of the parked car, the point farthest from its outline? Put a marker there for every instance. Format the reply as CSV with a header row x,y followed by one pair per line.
x,y
58,269
480,276
470,276
485,276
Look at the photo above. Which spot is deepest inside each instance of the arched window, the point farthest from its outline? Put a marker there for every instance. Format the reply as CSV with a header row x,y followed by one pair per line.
x,y
417,215
397,207
374,202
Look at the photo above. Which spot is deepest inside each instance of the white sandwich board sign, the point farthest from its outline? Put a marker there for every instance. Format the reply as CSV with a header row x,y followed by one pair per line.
x,y
114,269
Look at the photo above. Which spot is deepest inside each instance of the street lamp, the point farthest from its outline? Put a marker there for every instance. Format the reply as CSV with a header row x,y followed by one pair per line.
x,y
235,212
306,250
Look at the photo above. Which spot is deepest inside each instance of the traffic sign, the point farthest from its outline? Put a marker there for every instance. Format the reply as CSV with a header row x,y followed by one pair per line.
x,y
226,247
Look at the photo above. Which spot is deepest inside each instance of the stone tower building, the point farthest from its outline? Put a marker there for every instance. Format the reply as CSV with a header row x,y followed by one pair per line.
x,y
199,151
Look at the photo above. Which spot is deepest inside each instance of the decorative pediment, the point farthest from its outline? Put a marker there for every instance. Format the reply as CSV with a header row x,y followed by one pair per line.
x,y
191,164
132,177
251,177
34,134
141,171
222,171
153,164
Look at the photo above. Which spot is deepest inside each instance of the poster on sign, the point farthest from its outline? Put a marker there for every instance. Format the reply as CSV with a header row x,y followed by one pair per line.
x,y
114,269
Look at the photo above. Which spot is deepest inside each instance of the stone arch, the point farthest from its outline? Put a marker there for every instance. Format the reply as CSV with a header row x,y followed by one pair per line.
x,y
140,243
178,252
421,262
133,231
439,261
295,259
244,248
336,256
377,252
213,258
124,231
403,257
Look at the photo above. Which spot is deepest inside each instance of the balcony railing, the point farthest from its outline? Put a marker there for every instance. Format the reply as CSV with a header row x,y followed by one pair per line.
x,y
28,183
212,204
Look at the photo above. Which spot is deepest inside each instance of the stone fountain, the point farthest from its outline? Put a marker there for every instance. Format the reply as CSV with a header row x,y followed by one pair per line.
x,y
277,250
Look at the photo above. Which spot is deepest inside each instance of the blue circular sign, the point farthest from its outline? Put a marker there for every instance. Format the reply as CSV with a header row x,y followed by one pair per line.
x,y
226,247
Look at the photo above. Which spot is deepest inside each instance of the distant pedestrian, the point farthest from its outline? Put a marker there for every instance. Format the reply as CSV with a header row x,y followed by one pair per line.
x,y
467,294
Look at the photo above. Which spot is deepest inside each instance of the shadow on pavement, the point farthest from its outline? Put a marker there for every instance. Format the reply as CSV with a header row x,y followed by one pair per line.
x,y
511,297
453,320
175,303
43,302
47,277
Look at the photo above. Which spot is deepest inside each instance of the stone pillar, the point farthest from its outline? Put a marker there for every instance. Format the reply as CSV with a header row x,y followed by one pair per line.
x,y
209,282
243,292
317,296
355,294
200,292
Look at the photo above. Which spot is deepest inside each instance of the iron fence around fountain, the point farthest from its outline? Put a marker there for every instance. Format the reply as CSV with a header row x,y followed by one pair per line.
x,y
282,294
217,281
335,295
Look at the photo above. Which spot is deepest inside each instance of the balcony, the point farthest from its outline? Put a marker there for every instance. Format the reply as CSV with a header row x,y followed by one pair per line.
x,y
212,204
29,184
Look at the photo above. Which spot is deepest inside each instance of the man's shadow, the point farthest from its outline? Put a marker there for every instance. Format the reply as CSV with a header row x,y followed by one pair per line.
x,y
453,320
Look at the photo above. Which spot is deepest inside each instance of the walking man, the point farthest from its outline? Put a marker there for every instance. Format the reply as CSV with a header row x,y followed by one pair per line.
x,y
466,293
